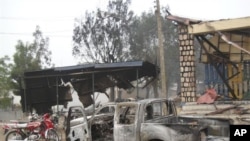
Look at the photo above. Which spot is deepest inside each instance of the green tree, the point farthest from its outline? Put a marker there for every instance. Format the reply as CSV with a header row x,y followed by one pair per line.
x,y
144,44
4,76
172,53
5,80
29,57
102,36
143,39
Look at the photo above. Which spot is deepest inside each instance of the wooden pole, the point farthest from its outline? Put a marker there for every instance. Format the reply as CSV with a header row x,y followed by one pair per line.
x,y
161,51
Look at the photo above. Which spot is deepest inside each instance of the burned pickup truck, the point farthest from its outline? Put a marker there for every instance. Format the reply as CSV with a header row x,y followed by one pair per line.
x,y
154,119
143,120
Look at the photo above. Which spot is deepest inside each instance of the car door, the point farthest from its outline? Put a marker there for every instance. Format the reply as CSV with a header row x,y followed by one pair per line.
x,y
77,125
125,124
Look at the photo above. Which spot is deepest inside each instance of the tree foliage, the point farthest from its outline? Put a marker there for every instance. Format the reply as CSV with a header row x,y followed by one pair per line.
x,y
4,76
172,56
5,99
143,39
102,36
29,57
144,43
117,35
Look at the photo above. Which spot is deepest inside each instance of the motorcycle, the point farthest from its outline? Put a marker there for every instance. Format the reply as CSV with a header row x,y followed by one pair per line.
x,y
32,131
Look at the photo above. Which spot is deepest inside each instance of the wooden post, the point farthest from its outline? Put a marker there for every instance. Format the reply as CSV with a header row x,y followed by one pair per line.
x,y
161,51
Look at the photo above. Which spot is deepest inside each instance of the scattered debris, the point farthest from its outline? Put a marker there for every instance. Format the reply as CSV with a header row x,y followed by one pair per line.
x,y
209,97
220,111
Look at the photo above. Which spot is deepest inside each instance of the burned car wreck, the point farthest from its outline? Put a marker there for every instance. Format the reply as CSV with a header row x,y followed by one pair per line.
x,y
158,119
144,120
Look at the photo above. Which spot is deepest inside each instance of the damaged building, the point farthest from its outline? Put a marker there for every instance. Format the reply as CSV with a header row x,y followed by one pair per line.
x,y
49,87
225,53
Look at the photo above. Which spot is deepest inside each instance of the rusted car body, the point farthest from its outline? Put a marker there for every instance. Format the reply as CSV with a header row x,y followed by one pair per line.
x,y
101,123
133,121
136,121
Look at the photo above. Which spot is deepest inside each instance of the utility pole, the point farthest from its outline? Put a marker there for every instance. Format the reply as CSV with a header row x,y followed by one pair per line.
x,y
161,50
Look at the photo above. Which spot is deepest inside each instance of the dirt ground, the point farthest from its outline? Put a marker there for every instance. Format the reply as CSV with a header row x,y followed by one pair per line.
x,y
1,134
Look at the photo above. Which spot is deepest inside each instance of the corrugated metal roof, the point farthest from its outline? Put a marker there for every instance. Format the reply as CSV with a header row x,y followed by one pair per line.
x,y
42,86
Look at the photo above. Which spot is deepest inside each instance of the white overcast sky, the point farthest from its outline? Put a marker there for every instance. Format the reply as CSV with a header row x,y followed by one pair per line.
x,y
18,19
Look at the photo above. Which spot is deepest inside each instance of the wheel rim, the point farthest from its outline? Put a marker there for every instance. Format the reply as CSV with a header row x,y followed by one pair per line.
x,y
14,136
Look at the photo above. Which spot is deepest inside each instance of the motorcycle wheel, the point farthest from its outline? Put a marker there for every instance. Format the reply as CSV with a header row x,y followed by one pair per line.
x,y
51,135
13,135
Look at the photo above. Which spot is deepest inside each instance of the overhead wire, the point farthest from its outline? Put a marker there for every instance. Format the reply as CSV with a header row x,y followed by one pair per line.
x,y
43,19
52,19
30,34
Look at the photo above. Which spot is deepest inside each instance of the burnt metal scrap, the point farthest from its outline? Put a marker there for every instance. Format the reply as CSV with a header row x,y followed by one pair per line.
x,y
45,88
97,126
102,127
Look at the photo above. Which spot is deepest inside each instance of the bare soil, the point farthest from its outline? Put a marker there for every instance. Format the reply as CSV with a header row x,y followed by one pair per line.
x,y
2,137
